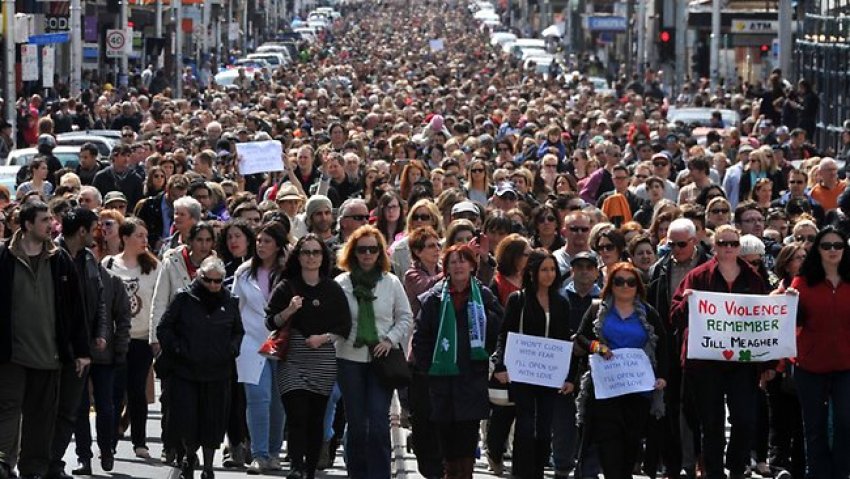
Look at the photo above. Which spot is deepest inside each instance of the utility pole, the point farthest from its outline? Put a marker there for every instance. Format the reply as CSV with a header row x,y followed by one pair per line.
x,y
628,59
641,36
158,31
9,40
76,49
178,46
786,38
714,48
245,31
125,79
681,42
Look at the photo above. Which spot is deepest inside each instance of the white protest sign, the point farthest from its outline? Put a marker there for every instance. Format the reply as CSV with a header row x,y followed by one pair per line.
x,y
628,371
437,45
741,327
259,157
48,63
537,360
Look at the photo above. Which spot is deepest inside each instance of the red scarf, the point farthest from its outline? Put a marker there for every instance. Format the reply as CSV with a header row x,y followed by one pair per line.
x,y
189,266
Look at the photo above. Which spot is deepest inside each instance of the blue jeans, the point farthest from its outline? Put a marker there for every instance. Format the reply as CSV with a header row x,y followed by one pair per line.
x,y
102,379
565,440
265,414
367,409
816,392
330,412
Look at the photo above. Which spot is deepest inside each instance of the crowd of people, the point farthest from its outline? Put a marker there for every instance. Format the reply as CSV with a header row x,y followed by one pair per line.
x,y
431,203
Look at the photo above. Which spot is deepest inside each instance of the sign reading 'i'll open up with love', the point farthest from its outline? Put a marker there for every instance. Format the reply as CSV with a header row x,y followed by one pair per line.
x,y
741,327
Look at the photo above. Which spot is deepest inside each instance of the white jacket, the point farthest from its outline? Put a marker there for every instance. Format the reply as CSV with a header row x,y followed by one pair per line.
x,y
393,317
252,307
173,275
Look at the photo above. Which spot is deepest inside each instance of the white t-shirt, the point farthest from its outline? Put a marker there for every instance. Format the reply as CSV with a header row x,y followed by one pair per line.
x,y
140,290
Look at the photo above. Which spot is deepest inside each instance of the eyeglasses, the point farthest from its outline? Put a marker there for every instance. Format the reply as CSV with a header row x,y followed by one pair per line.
x,y
620,281
730,244
621,178
804,238
579,229
719,211
367,249
310,252
837,246
207,279
425,217
357,217
477,170
678,244
753,220
606,247
796,182
550,165
546,219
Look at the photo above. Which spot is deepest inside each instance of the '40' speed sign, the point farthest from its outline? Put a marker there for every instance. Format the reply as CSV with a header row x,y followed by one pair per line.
x,y
116,42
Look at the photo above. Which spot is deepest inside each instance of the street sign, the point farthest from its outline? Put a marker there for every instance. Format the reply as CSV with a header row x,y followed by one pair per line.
x,y
29,62
48,38
741,25
116,43
606,23
48,63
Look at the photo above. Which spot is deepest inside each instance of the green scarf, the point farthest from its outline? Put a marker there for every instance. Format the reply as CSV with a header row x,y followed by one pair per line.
x,y
444,361
364,291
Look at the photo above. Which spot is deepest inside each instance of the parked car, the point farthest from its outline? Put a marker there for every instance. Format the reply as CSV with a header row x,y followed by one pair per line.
x,y
68,155
104,144
702,116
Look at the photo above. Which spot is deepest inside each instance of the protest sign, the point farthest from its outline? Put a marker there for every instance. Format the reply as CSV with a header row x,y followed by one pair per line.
x,y
628,371
537,360
259,157
741,327
437,45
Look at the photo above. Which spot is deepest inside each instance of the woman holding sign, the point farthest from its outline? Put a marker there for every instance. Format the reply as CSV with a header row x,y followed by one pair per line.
x,y
455,332
822,372
536,310
623,321
718,385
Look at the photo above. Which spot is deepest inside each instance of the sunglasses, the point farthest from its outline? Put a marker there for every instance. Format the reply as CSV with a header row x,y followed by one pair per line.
x,y
620,281
678,244
579,229
207,279
837,246
310,252
804,238
719,211
796,182
357,217
367,249
477,170
425,217
606,247
546,219
730,244
659,164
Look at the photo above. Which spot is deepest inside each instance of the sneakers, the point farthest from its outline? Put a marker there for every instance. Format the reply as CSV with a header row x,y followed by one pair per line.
x,y
107,462
257,467
235,457
142,452
273,464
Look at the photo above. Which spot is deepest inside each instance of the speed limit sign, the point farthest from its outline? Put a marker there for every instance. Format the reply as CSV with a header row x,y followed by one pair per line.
x,y
116,43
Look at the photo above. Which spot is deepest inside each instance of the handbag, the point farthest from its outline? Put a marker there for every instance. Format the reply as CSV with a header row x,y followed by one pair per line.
x,y
276,346
392,369
499,393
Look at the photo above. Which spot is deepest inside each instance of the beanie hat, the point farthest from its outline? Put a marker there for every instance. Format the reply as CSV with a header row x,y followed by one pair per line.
x,y
315,203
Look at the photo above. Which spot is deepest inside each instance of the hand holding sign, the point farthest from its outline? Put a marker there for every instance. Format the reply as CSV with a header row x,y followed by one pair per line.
x,y
259,157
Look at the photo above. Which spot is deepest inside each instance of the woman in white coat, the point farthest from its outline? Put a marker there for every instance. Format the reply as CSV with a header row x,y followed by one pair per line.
x,y
254,282
381,319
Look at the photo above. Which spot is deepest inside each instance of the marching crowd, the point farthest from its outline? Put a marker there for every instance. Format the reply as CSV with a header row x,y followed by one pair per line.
x,y
431,203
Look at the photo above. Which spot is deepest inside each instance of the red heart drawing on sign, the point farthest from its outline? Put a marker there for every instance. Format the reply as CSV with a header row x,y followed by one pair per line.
x,y
728,354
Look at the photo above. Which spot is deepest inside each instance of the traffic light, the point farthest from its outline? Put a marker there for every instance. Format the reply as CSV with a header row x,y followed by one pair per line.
x,y
764,50
667,45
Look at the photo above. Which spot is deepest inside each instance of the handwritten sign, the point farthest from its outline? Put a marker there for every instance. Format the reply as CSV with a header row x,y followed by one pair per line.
x,y
537,360
437,45
628,371
741,327
260,157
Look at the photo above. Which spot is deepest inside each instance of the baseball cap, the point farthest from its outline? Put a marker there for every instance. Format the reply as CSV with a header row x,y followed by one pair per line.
x,y
465,207
114,196
585,256
504,188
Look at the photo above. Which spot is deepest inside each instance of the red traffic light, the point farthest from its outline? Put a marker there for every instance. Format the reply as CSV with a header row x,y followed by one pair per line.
x,y
664,36
764,48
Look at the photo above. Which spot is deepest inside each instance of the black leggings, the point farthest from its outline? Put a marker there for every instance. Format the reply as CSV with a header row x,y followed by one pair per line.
x,y
305,416
458,439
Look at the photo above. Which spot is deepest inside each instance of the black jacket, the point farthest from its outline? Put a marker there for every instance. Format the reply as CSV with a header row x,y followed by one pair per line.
x,y
117,308
526,307
660,291
150,211
72,338
201,333
463,397
130,184
88,272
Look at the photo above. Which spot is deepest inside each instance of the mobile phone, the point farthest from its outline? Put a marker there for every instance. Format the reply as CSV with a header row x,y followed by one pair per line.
x,y
402,163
